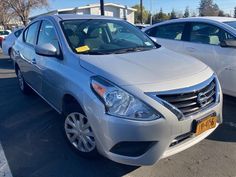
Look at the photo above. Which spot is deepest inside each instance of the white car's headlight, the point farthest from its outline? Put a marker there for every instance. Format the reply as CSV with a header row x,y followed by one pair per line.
x,y
120,103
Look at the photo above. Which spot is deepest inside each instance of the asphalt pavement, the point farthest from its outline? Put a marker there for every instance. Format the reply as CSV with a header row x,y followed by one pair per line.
x,y
34,144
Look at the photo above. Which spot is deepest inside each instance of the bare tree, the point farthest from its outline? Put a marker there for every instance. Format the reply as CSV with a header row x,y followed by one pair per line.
x,y
22,8
208,8
5,14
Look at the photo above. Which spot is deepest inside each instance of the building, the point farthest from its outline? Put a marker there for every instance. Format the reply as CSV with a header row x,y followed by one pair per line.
x,y
111,9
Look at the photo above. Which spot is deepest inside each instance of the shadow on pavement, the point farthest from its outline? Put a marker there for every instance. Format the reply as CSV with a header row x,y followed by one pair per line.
x,y
227,131
32,137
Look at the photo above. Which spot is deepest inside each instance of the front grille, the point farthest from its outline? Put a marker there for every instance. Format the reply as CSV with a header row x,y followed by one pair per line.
x,y
192,102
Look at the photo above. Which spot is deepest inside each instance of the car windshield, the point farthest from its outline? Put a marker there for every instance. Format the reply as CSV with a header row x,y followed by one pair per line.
x,y
4,32
104,36
231,23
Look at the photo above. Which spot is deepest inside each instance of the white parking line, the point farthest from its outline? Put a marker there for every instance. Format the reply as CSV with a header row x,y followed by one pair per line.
x,y
4,167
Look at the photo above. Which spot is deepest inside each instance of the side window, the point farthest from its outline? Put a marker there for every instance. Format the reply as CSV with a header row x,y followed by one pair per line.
x,y
17,33
47,35
169,31
226,35
30,34
205,34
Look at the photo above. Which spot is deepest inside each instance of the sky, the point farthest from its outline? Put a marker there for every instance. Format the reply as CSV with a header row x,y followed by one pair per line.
x,y
151,5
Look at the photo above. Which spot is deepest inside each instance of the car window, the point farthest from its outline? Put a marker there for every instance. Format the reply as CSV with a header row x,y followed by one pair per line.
x,y
170,31
119,32
18,32
226,35
205,34
90,36
47,34
31,33
4,32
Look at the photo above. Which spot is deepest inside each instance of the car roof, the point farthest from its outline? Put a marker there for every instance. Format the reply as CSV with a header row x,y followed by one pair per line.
x,y
194,19
76,16
202,19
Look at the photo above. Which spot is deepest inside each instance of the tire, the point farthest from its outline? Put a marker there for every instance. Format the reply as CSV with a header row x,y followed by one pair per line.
x,y
79,133
11,54
25,89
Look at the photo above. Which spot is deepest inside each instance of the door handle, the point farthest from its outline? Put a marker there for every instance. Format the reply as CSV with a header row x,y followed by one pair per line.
x,y
33,61
191,49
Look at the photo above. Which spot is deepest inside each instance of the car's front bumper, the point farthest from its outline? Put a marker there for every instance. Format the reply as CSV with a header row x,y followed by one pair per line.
x,y
112,132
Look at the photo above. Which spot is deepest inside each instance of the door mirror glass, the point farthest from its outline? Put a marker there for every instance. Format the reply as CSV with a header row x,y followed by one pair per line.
x,y
228,43
46,50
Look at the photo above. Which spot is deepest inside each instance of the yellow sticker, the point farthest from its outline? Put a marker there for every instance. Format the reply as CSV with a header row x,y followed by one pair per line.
x,y
82,49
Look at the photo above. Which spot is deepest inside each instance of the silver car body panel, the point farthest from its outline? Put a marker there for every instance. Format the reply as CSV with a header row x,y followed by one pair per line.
x,y
140,72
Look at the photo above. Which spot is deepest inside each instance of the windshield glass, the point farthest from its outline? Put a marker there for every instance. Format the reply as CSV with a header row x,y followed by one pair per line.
x,y
101,36
232,24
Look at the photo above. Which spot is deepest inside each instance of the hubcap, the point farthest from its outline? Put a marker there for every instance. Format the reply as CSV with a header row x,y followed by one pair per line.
x,y
21,80
79,132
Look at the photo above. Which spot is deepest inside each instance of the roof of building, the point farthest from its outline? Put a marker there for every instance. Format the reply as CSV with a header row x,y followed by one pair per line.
x,y
82,7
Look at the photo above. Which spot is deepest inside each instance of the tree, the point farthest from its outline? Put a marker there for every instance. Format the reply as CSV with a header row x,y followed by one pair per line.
x,y
22,8
235,12
6,14
208,8
173,14
137,15
160,16
221,13
186,12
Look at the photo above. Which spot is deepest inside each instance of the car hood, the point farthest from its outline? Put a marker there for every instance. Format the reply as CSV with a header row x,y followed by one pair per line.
x,y
146,67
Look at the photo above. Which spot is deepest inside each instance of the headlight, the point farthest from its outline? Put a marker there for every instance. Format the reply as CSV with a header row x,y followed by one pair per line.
x,y
120,103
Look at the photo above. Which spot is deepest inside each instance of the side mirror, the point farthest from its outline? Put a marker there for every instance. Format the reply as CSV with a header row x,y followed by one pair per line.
x,y
47,50
228,43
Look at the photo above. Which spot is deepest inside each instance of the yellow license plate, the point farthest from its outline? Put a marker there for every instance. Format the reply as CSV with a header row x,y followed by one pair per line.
x,y
206,124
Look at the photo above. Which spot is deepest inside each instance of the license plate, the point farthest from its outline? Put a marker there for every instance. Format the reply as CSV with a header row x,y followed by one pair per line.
x,y
205,124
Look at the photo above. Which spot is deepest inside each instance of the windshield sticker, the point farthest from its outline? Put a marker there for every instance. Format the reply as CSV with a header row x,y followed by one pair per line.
x,y
148,43
82,49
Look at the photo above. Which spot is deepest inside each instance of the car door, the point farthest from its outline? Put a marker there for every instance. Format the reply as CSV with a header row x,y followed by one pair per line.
x,y
202,39
169,35
49,65
226,57
27,54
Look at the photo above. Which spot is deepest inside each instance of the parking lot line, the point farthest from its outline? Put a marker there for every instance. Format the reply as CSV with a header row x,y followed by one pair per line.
x,y
4,167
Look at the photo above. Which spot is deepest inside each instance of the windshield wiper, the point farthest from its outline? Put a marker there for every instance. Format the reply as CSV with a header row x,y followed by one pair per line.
x,y
132,49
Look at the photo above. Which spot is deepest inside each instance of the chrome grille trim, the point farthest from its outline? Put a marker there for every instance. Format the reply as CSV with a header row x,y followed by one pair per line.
x,y
184,102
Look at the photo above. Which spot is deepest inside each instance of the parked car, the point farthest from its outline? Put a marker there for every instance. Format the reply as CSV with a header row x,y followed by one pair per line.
x,y
3,34
130,100
210,39
9,41
141,26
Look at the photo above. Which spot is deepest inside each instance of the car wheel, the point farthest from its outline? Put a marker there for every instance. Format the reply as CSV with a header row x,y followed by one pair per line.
x,y
22,84
79,133
11,54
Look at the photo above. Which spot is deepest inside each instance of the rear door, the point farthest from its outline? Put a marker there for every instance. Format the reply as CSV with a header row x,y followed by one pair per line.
x,y
27,55
169,35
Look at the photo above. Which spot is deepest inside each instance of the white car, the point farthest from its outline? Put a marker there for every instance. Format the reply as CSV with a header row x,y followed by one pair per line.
x,y
210,39
9,41
3,34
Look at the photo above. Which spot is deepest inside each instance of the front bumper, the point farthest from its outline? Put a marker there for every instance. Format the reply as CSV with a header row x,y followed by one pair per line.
x,y
158,134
